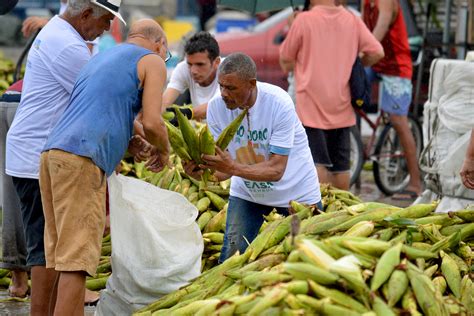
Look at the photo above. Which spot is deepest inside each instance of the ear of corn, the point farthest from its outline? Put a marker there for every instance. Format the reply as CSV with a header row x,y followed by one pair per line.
x,y
177,141
189,135
228,133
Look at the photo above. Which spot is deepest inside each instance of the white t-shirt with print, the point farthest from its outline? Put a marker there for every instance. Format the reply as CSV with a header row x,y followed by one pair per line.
x,y
181,80
271,122
54,62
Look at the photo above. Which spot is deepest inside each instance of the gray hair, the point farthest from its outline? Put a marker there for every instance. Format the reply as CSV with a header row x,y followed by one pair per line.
x,y
240,64
76,7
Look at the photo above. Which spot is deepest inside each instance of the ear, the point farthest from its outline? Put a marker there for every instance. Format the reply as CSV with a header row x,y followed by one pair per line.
x,y
217,61
86,14
253,82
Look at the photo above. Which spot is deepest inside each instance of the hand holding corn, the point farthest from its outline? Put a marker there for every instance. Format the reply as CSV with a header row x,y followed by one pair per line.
x,y
221,162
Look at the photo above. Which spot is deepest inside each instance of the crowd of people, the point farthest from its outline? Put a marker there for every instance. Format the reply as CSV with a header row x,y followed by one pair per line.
x,y
78,115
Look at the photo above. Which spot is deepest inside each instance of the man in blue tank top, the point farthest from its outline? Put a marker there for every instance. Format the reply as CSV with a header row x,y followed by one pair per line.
x,y
87,143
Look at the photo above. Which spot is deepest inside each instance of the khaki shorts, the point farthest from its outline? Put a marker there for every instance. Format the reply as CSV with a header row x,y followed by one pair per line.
x,y
73,196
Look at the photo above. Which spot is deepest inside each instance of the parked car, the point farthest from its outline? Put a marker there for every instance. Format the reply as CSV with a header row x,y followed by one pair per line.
x,y
262,44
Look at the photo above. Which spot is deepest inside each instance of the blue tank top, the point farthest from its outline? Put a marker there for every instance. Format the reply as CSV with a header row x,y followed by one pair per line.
x,y
106,98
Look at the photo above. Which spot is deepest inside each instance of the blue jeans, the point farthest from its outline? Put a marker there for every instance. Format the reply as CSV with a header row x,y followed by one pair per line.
x,y
244,219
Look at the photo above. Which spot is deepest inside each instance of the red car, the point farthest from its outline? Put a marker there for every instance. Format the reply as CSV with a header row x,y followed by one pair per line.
x,y
262,44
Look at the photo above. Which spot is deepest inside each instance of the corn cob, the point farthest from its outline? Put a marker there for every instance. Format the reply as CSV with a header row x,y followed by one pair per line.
x,y
189,135
270,299
361,229
305,271
228,133
397,286
387,263
216,200
452,274
177,141
203,204
440,284
337,297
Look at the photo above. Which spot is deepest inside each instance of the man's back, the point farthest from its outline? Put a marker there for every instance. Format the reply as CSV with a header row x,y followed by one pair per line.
x,y
55,59
325,42
98,122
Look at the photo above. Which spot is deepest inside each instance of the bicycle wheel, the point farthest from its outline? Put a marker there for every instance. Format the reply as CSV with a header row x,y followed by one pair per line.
x,y
357,154
390,167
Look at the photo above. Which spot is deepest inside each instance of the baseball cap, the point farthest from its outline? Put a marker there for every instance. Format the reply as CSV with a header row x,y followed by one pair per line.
x,y
112,6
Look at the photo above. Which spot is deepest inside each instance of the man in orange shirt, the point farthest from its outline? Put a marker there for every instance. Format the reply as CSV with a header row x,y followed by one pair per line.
x,y
321,48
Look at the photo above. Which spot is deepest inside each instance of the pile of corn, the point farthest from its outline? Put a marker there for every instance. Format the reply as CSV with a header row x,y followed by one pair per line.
x,y
366,259
104,270
7,69
211,201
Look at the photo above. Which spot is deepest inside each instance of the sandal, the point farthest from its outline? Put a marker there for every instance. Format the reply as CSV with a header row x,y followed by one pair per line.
x,y
405,195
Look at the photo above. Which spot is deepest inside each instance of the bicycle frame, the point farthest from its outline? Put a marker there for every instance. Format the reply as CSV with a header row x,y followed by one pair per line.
x,y
374,125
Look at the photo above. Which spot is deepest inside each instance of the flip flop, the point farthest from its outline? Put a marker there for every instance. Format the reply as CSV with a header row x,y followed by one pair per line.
x,y
92,303
405,195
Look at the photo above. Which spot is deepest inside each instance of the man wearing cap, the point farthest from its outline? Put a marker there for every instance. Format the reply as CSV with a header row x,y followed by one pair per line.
x,y
87,143
54,61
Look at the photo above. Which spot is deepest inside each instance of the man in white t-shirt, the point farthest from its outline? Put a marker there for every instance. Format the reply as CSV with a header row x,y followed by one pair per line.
x,y
268,159
57,55
196,73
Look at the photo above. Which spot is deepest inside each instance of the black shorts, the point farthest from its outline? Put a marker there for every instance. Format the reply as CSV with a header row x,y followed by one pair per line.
x,y
28,191
330,148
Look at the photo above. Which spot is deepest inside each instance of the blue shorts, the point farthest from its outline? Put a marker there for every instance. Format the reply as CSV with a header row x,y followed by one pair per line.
x,y
395,94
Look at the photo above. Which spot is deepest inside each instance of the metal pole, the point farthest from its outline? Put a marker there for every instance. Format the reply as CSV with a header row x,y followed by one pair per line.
x,y
461,31
447,27
421,66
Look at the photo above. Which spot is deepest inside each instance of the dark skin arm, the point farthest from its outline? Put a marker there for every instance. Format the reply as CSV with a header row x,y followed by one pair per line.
x,y
467,170
225,167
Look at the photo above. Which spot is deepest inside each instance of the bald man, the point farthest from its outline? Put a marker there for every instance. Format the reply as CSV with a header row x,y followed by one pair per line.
x,y
86,144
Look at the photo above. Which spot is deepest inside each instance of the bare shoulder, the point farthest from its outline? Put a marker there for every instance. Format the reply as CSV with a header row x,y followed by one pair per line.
x,y
151,63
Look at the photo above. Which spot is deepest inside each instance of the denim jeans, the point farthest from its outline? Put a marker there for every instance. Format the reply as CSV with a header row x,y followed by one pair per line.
x,y
244,219
13,236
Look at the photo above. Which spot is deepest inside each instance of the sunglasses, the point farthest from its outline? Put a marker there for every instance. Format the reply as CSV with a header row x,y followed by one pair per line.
x,y
168,54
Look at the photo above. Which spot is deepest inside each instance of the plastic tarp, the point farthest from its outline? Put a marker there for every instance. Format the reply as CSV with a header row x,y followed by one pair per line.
x,y
156,245
448,120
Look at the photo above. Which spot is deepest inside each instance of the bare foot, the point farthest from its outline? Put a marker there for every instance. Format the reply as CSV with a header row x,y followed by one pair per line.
x,y
19,287
91,297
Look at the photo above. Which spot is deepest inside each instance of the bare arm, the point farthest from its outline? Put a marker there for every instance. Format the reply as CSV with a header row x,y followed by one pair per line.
x,y
467,170
32,24
286,64
169,96
200,111
152,72
270,170
371,59
386,14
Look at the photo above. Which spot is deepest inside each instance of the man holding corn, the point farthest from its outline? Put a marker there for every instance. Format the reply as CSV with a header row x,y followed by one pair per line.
x,y
268,159
197,73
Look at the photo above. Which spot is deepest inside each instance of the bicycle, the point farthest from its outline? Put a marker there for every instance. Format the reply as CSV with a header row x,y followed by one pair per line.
x,y
384,150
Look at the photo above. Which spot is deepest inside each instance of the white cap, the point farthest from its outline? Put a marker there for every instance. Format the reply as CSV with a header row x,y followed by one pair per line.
x,y
112,6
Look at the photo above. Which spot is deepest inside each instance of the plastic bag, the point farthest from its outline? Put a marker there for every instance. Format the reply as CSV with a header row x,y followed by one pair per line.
x,y
156,245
